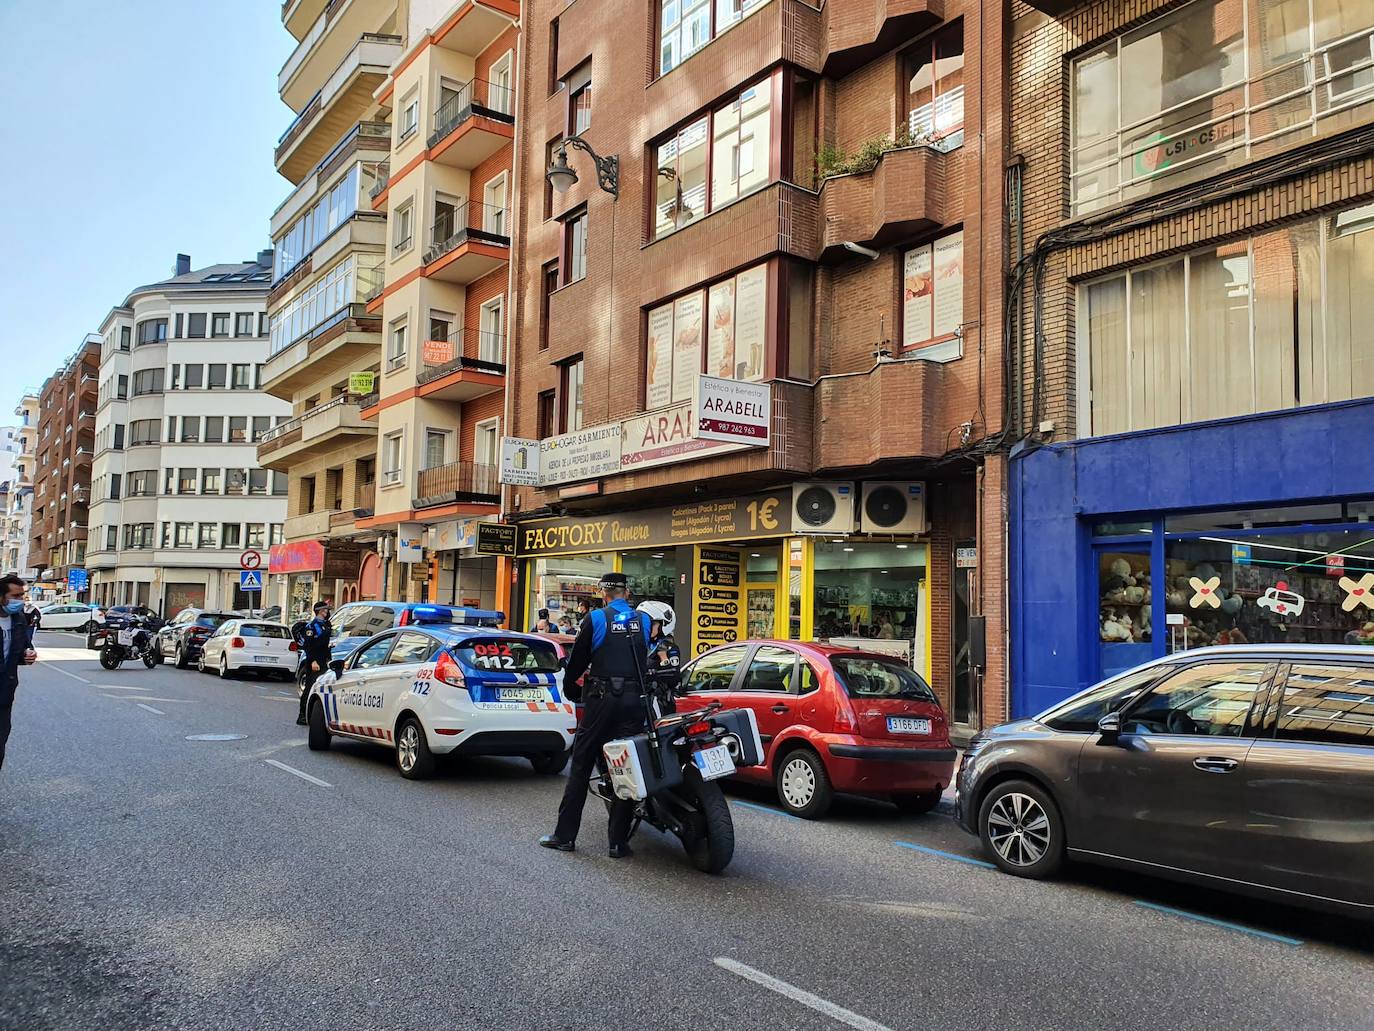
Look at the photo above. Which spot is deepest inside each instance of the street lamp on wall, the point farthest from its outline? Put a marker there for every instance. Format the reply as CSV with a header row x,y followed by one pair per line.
x,y
562,176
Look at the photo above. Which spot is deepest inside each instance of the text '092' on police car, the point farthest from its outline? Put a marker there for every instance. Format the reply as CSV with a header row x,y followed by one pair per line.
x,y
428,691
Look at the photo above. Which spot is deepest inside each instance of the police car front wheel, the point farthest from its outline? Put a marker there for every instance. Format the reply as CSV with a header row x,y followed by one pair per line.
x,y
318,736
413,757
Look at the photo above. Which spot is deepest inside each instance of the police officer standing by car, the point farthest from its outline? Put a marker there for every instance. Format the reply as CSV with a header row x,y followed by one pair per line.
x,y
612,648
665,657
316,647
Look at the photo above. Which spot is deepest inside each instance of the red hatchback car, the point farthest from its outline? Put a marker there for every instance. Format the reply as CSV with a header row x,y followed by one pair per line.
x,y
832,719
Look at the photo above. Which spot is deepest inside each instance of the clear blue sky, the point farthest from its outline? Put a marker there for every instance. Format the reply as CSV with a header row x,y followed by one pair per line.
x,y
133,130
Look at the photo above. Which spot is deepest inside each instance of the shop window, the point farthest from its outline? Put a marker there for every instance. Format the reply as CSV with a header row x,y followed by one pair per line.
x,y
934,71
558,584
736,342
652,575
1329,704
869,591
760,591
933,298
1124,618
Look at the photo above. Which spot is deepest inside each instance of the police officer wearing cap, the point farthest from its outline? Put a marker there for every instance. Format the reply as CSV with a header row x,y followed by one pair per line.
x,y
612,648
316,647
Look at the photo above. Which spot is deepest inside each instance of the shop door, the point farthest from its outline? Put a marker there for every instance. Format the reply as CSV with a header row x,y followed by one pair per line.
x,y
1124,598
964,670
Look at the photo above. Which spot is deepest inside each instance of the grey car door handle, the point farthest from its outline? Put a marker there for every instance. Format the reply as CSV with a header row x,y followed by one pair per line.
x,y
1211,764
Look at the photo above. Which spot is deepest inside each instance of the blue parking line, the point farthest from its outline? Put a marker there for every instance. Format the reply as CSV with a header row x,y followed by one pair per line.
x,y
764,809
945,855
1256,932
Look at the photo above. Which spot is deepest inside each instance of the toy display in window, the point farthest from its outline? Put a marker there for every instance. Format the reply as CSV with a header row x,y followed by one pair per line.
x,y
1124,613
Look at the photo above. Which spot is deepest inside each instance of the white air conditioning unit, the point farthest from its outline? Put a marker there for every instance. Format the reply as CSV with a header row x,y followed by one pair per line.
x,y
894,507
823,507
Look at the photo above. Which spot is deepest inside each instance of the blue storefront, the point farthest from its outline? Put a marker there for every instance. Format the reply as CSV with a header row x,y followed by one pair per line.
x,y
1245,530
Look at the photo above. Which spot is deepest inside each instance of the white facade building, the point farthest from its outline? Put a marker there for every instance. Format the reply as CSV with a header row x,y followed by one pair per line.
x,y
17,457
177,493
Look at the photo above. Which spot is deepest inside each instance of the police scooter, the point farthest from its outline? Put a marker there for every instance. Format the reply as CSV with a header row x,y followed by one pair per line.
x,y
670,772
132,641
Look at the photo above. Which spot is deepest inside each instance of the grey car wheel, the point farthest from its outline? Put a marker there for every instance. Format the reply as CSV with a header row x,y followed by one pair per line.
x,y
1021,827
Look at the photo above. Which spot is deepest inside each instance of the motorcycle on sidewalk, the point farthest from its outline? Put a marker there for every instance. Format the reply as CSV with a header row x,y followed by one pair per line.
x,y
670,773
128,643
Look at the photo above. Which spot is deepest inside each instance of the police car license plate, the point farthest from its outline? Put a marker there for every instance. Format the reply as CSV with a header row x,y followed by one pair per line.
x,y
714,762
520,694
906,725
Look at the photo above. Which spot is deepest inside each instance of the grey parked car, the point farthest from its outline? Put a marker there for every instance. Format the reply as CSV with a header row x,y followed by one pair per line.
x,y
1245,768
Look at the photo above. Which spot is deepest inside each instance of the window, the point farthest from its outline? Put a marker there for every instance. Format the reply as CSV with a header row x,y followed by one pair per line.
x,y
142,483
392,457
374,654
570,390
219,324
411,647
235,481
550,156
144,431
148,381
436,448
548,283
554,84
152,331
736,347
575,247
410,117
231,535
190,428
334,207
125,333
165,540
280,482
209,535
547,409
138,535
111,538
486,442
396,353
261,424
122,387
175,381
404,232
491,345
685,26
187,480
580,99
494,214
257,376
1211,698
214,429
771,669
934,73
256,535
739,134
863,677
243,324
184,535
1329,704
715,672
115,483
211,480
238,429
933,298
330,293
440,325
218,377
242,377
1256,325
1081,714
171,428
178,330
257,481
195,325
195,376
277,532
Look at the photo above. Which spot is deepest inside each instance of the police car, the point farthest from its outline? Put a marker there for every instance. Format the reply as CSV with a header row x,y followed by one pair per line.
x,y
428,690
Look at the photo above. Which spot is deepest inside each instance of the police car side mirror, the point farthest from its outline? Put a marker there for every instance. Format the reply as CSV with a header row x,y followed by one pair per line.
x,y
337,665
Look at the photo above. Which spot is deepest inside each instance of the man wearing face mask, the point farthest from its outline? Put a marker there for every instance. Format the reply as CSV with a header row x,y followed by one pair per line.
x,y
316,648
16,649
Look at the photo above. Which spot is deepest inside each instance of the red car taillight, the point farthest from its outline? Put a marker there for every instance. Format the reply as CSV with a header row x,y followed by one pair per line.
x,y
845,720
447,671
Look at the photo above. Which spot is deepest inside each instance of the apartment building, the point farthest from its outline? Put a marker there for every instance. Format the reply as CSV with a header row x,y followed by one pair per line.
x,y
177,491
64,448
443,303
1195,193
758,361
325,346
17,513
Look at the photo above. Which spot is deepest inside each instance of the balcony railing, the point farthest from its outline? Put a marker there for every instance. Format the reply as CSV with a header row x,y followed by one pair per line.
x,y
283,428
383,179
463,353
457,481
468,221
365,496
372,281
474,97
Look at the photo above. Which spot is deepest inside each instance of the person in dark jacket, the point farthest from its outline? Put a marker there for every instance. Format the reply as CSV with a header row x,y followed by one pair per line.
x,y
317,654
16,649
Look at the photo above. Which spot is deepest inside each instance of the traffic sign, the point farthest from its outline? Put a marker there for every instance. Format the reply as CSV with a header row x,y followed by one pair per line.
x,y
250,580
78,579
251,559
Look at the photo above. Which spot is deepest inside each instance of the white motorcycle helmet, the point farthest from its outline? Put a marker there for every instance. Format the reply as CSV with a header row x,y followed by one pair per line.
x,y
661,612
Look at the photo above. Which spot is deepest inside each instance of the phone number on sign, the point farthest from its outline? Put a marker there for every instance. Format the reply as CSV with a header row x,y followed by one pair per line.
x,y
737,429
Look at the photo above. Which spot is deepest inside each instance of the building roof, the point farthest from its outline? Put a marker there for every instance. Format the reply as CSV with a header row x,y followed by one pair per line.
x,y
211,276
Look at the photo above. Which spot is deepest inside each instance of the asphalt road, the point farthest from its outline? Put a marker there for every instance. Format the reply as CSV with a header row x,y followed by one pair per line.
x,y
152,881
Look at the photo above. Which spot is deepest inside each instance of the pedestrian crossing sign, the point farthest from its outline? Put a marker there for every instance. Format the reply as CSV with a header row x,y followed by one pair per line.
x,y
250,579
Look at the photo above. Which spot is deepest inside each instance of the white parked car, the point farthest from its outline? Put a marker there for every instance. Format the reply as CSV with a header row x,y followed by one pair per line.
x,y
259,645
69,616
433,690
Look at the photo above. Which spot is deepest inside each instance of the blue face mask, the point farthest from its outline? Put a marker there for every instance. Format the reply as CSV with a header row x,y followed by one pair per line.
x,y
14,606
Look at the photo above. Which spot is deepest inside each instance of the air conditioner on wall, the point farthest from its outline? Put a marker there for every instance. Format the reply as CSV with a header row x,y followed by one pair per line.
x,y
894,507
823,507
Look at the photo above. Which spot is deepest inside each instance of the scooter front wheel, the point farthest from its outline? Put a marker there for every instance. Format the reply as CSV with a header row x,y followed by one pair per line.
x,y
709,836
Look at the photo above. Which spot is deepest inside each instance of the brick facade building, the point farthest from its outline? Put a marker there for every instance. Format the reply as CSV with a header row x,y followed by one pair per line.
x,y
809,198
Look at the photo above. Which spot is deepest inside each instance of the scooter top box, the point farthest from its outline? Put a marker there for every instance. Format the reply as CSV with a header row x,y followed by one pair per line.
x,y
630,764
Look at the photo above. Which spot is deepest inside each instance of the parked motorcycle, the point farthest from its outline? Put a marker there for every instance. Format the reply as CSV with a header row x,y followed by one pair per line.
x,y
134,641
670,773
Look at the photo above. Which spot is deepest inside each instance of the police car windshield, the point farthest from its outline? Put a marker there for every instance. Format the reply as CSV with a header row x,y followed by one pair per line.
x,y
506,653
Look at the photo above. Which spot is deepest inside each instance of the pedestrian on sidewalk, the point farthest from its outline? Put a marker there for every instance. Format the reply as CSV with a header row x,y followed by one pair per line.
x,y
16,649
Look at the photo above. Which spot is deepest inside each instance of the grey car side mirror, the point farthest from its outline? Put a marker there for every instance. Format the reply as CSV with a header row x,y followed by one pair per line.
x,y
1109,726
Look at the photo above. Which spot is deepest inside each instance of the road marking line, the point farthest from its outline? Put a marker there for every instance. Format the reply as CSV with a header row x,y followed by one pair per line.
x,y
945,855
155,712
765,809
815,1002
118,687
299,773
1255,931
59,669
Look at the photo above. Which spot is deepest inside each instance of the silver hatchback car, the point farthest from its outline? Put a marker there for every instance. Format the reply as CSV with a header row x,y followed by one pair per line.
x,y
1246,768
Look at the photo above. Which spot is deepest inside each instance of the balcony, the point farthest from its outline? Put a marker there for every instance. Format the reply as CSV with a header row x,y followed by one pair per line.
x,y
325,48
857,31
471,30
468,242
455,482
473,124
378,188
315,432
346,340
908,194
340,102
297,16
460,378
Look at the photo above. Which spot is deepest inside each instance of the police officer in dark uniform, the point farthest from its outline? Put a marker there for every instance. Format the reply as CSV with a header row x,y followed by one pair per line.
x,y
612,647
665,657
317,655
